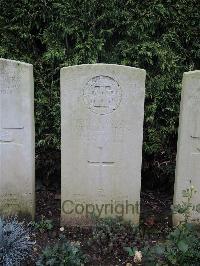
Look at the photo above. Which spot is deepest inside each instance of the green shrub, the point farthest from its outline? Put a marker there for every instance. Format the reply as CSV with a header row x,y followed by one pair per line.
x,y
182,245
63,253
43,225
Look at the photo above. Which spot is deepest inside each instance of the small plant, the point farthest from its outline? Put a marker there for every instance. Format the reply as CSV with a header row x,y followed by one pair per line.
x,y
15,244
182,245
62,253
110,236
185,208
43,225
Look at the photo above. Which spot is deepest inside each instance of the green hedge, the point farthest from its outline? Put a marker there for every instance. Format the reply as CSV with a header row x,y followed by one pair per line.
x,y
159,36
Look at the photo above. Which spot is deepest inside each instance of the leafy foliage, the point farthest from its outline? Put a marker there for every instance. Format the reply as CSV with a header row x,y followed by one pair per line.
x,y
110,236
182,245
185,207
160,36
15,244
63,253
43,225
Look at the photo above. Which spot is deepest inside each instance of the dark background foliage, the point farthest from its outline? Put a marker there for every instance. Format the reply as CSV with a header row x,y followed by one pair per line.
x,y
160,36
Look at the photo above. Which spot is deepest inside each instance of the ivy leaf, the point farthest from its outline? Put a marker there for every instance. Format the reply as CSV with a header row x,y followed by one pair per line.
x,y
183,246
159,250
131,251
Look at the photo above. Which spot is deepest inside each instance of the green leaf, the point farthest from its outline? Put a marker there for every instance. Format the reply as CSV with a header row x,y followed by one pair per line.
x,y
131,251
159,250
183,246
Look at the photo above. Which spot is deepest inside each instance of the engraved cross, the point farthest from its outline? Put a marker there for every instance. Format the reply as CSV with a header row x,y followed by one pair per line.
x,y
100,163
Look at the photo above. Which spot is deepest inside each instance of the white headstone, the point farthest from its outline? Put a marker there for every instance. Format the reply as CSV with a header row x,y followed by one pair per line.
x,y
16,139
102,109
188,152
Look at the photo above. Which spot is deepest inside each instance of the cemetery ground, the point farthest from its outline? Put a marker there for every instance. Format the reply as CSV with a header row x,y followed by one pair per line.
x,y
110,242
106,243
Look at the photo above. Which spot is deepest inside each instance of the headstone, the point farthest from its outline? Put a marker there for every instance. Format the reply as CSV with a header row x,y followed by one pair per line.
x,y
102,109
16,139
188,152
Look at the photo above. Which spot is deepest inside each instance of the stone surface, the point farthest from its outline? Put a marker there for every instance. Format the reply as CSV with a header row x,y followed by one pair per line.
x,y
188,152
102,109
17,182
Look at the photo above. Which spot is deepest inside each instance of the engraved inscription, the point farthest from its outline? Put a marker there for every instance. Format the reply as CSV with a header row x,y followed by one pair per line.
x,y
195,126
194,119
5,136
116,129
196,122
195,98
10,100
9,201
102,95
8,84
6,91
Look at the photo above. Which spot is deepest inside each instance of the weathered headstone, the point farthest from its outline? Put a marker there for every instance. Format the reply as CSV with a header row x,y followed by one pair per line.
x,y
16,139
188,152
102,109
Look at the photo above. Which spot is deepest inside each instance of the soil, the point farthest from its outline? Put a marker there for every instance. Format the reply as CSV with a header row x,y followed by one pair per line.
x,y
155,215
